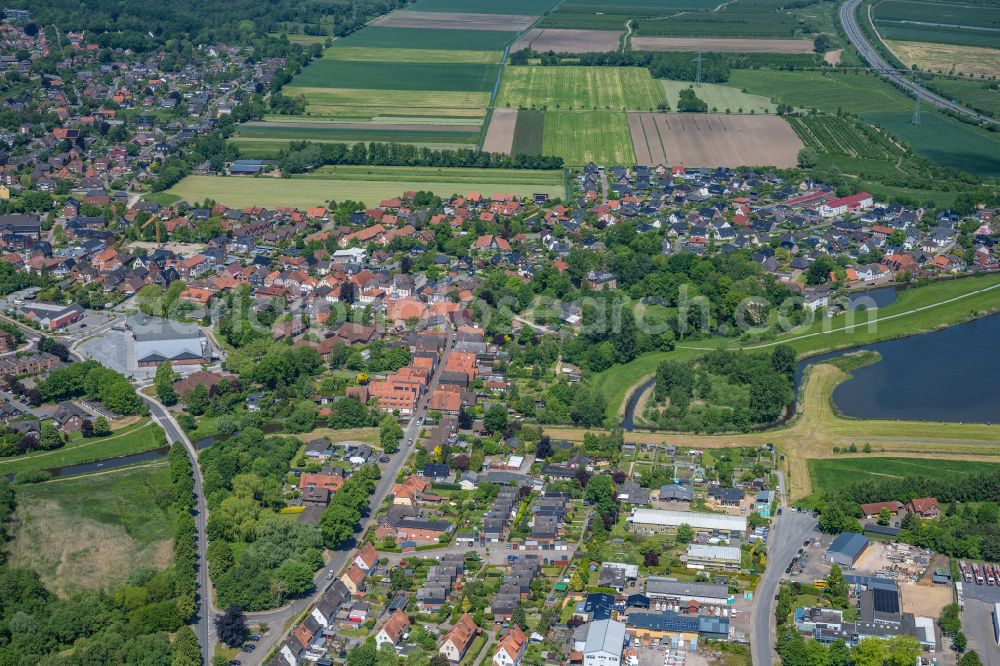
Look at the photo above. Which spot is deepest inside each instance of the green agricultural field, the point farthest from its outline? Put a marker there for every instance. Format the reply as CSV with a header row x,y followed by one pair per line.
x,y
328,134
429,38
90,532
397,75
388,99
832,474
602,88
529,133
945,140
741,18
306,191
841,136
527,177
720,98
937,35
307,40
855,93
600,15
984,96
378,54
952,14
266,149
580,137
523,7
134,439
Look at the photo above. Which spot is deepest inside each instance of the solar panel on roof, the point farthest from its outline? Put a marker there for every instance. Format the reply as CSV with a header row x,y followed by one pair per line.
x,y
886,601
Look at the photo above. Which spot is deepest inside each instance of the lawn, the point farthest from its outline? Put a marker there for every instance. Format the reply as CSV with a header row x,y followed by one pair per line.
x,y
313,191
324,73
580,137
89,533
609,88
720,98
387,54
134,439
529,133
831,474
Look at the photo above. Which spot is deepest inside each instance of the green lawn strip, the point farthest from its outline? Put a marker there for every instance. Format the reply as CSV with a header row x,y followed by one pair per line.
x,y
138,440
832,474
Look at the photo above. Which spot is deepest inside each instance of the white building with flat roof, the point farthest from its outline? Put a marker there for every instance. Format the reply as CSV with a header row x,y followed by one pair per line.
x,y
655,521
704,556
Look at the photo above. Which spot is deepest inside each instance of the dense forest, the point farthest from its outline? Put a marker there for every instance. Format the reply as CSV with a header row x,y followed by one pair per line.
x,y
128,625
970,526
143,26
723,390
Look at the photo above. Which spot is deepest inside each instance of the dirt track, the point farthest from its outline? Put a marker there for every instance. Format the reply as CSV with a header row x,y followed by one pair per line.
x,y
722,45
569,41
712,139
500,134
406,18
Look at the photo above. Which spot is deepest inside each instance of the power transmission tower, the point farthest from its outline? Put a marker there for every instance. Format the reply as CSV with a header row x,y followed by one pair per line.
x,y
697,76
916,109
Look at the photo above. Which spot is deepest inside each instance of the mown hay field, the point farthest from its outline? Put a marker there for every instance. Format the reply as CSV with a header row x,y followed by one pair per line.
x,y
580,137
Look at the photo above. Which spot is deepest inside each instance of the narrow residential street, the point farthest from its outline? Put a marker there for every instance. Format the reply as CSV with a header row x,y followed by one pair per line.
x,y
788,532
279,619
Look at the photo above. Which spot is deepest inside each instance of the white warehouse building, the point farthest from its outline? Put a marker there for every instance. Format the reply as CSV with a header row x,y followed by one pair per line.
x,y
654,521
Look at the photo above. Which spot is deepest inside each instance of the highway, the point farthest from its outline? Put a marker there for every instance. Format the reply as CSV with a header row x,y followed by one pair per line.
x,y
279,619
788,531
870,54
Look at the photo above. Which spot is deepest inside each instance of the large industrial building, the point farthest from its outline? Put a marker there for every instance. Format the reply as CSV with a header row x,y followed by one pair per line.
x,y
847,548
158,340
720,558
654,521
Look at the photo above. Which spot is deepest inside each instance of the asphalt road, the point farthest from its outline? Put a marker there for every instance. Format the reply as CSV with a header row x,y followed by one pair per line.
x,y
875,60
278,619
204,628
788,531
977,624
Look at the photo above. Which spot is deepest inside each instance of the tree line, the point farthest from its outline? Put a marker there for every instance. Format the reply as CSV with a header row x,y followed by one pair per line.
x,y
301,156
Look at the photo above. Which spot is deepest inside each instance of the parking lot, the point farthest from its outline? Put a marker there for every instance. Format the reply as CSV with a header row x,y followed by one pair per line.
x,y
111,349
977,624
91,319
660,656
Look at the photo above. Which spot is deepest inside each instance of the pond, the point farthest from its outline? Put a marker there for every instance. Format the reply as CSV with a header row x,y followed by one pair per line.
x,y
946,375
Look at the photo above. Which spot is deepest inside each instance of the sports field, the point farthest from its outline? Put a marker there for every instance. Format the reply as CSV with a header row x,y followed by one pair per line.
x,y
90,532
574,88
579,137
370,187
723,99
831,474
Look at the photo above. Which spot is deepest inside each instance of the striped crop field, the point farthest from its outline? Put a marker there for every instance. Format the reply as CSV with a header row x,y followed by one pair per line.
x,y
575,88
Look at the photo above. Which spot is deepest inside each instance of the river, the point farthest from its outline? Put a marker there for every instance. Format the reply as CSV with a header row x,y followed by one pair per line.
x,y
945,375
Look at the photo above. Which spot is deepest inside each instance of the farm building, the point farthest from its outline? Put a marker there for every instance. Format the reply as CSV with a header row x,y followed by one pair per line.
x,y
847,548
702,556
654,521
